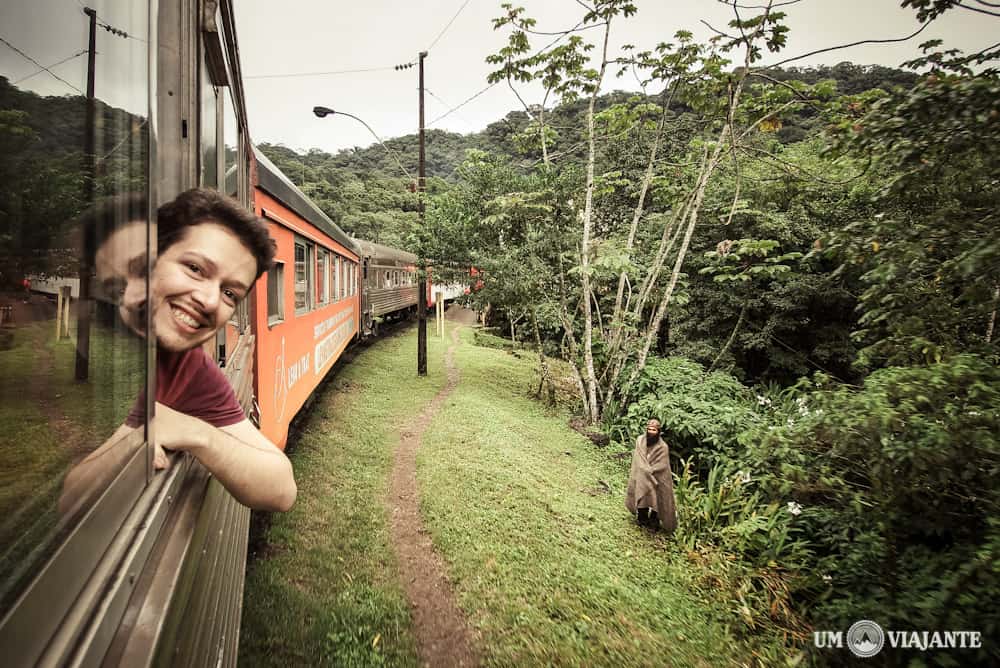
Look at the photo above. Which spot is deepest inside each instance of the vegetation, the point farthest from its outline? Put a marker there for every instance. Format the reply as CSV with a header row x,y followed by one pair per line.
x,y
544,562
324,590
796,270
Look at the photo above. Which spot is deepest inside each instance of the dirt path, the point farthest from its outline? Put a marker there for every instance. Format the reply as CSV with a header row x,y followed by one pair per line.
x,y
443,637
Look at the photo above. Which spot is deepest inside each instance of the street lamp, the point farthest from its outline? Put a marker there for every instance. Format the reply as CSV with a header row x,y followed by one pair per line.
x,y
323,112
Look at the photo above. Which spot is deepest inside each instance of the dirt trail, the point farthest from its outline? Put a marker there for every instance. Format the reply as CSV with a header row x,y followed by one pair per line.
x,y
443,637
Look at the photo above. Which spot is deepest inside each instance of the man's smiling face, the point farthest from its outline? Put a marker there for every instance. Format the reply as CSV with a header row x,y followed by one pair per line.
x,y
197,283
120,263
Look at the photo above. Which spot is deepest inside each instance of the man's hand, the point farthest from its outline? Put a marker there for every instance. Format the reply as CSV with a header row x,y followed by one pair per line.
x,y
249,466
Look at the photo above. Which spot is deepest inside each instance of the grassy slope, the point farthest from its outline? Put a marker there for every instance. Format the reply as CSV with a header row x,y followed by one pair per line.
x,y
329,586
548,567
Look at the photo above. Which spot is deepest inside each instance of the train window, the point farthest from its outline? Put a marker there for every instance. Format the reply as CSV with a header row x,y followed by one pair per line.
x,y
303,277
322,273
230,149
208,116
336,277
276,293
71,364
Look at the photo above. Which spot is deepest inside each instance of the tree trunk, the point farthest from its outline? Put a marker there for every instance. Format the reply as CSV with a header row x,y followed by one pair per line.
x,y
588,211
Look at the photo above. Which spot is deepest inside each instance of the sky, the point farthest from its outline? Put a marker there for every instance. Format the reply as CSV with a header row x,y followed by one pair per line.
x,y
309,36
281,40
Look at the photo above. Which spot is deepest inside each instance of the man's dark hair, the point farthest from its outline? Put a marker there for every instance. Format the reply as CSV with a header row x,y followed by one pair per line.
x,y
109,215
203,205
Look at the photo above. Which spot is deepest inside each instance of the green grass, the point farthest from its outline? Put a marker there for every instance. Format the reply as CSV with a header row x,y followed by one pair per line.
x,y
47,420
328,584
548,566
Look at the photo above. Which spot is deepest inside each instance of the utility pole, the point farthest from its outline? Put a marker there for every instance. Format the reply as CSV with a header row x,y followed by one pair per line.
x,y
89,174
422,270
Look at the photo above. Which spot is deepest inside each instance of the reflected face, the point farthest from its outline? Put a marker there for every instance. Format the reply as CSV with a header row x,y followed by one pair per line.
x,y
120,263
197,283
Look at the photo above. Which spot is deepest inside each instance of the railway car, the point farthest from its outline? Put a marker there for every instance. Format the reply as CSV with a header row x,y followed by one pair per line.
x,y
305,310
150,570
389,284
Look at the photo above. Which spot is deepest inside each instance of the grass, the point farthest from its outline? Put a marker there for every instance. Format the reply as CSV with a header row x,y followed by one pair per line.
x,y
547,564
326,592
47,420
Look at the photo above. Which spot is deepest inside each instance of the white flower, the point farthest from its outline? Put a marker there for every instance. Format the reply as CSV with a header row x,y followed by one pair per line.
x,y
794,508
827,578
743,476
791,422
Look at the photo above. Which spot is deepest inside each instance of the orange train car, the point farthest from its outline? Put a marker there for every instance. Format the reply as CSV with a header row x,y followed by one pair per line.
x,y
306,309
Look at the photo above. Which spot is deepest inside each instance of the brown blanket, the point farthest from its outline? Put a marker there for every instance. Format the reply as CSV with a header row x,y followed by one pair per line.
x,y
650,483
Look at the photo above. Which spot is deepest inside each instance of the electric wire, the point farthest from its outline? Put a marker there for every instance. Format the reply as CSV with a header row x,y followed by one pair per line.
x,y
445,29
316,74
38,64
44,69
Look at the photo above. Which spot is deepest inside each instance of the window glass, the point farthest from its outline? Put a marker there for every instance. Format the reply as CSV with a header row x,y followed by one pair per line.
x,y
301,278
276,293
208,96
336,277
321,260
230,133
70,367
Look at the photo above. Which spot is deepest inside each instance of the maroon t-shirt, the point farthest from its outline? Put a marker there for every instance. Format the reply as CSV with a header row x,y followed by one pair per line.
x,y
191,383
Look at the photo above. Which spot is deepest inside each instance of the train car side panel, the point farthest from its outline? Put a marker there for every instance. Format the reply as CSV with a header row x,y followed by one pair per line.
x,y
301,336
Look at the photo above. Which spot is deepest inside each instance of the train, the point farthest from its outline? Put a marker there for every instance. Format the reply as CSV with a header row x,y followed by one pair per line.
x,y
151,573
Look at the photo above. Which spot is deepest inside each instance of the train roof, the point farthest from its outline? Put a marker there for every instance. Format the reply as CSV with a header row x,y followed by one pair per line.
x,y
380,251
271,179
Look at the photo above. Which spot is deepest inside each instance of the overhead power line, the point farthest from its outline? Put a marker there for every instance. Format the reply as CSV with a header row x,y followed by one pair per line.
x,y
38,64
459,106
445,29
46,69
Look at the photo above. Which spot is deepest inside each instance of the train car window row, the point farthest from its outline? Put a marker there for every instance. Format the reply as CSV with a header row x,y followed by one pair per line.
x,y
329,279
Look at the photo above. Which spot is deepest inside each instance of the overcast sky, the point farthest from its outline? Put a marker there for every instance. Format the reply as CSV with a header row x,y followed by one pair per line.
x,y
290,37
308,36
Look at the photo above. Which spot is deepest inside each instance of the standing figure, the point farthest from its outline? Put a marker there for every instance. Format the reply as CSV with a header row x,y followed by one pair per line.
x,y
650,492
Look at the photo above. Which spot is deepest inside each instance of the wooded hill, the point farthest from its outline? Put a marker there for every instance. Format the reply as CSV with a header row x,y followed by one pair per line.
x,y
364,190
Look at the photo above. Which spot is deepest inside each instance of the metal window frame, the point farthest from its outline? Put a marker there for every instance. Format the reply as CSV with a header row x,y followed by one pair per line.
x,y
310,262
69,607
277,275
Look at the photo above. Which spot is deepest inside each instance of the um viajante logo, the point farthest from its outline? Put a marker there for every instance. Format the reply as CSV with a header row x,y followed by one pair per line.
x,y
866,638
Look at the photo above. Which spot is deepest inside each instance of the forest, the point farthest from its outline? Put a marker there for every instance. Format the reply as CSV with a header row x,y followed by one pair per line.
x,y
797,269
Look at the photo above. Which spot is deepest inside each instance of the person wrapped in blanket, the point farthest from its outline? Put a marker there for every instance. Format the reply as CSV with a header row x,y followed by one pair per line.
x,y
650,492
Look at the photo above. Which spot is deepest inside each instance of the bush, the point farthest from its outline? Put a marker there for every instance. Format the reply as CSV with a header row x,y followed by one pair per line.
x,y
702,414
897,481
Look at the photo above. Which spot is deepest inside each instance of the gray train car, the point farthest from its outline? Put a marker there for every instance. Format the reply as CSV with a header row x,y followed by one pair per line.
x,y
148,568
389,280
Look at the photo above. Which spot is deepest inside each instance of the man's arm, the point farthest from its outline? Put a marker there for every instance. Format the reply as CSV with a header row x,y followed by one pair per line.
x,y
249,466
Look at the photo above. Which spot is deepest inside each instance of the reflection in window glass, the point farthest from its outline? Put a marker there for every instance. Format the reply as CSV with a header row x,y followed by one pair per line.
x,y
230,133
209,127
70,367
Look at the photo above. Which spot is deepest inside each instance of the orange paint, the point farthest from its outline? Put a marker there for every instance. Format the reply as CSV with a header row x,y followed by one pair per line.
x,y
293,355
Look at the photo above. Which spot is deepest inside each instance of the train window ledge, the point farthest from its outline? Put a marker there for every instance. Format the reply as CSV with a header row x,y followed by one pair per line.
x,y
60,619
